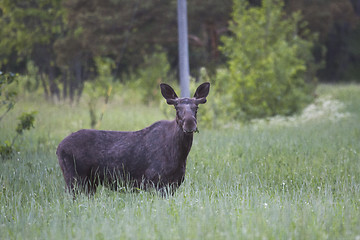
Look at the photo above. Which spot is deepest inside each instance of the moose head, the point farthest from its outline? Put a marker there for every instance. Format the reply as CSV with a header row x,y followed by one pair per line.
x,y
186,108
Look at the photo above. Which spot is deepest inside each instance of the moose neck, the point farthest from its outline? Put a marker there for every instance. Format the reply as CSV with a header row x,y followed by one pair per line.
x,y
183,141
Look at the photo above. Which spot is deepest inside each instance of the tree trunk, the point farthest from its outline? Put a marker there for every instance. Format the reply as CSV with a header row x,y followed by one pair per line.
x,y
78,78
43,82
65,83
54,89
213,40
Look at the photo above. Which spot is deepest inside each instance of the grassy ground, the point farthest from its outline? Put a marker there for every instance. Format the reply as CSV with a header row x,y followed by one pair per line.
x,y
294,178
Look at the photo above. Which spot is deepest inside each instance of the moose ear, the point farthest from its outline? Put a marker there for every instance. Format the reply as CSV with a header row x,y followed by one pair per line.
x,y
168,93
201,93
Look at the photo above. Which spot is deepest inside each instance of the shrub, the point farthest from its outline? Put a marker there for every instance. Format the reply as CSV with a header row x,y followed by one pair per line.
x,y
267,62
8,93
151,73
26,122
100,87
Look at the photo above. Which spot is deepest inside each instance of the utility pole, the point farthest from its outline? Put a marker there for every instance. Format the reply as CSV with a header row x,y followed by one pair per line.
x,y
183,49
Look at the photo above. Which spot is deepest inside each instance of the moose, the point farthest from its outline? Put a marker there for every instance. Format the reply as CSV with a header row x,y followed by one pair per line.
x,y
154,157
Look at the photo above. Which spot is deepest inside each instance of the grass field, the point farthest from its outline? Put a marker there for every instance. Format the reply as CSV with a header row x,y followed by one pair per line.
x,y
283,178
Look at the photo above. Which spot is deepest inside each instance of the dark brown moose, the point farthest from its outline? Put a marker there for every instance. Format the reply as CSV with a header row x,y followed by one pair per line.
x,y
154,156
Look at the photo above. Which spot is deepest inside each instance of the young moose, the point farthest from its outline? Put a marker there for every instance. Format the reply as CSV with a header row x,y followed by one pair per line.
x,y
154,156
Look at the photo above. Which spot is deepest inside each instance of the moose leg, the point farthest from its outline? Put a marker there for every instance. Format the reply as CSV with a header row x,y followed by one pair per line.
x,y
89,185
70,176
71,182
76,184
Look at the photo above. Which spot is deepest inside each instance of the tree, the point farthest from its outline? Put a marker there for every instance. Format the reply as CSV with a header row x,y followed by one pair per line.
x,y
337,22
267,61
126,31
28,30
208,21
63,37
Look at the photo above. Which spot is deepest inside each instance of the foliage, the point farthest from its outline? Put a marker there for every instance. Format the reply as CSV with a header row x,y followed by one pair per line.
x,y
217,112
208,20
24,25
206,113
100,88
352,71
336,22
28,31
267,62
30,82
26,122
8,93
153,71
297,181
6,149
62,38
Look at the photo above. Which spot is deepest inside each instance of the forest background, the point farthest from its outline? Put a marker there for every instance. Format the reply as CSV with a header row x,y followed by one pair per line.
x,y
64,42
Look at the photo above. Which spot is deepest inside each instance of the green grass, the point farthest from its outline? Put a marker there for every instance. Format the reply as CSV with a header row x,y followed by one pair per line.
x,y
260,181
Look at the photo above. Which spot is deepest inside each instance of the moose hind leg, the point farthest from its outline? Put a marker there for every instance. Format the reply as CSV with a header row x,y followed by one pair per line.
x,y
70,176
71,183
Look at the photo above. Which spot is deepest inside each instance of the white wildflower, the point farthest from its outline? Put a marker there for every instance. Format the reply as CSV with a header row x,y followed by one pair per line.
x,y
323,109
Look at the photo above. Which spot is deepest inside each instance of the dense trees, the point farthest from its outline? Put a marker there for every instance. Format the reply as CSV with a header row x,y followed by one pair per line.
x,y
337,22
63,37
28,31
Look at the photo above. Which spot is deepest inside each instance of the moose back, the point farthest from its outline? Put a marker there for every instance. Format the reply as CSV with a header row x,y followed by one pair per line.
x,y
152,157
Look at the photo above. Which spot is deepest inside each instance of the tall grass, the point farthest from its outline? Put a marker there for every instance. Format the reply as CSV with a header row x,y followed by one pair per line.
x,y
299,180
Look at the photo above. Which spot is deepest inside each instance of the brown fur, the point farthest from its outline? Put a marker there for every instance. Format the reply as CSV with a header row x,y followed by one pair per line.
x,y
154,156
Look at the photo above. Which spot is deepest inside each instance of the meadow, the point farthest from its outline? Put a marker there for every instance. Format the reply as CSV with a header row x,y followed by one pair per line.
x,y
281,178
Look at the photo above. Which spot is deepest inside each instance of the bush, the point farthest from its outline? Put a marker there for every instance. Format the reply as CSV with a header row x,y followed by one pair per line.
x,y
100,88
8,93
267,63
151,73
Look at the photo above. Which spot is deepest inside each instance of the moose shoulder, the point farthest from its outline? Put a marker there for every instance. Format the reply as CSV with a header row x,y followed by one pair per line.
x,y
154,156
